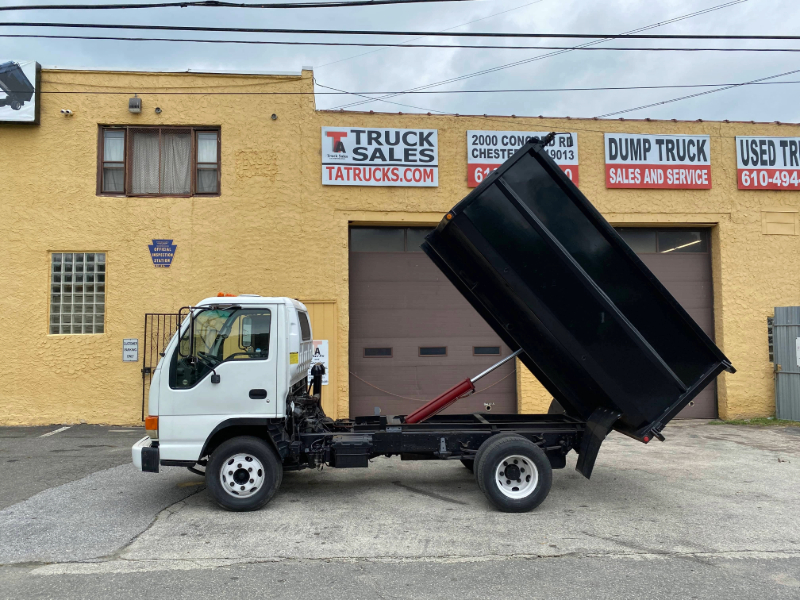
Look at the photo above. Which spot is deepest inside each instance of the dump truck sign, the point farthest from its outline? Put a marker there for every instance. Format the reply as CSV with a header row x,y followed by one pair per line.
x,y
19,91
658,161
487,150
768,163
380,157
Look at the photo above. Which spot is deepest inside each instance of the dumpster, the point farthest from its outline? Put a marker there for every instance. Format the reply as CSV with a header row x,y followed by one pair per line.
x,y
540,263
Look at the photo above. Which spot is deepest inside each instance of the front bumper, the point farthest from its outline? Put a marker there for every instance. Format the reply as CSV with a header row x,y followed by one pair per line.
x,y
145,456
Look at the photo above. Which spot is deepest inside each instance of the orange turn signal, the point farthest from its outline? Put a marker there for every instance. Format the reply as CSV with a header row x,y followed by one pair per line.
x,y
151,423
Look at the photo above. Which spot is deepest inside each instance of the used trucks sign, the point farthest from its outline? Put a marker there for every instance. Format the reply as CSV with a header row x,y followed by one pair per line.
x,y
386,157
768,163
487,150
658,161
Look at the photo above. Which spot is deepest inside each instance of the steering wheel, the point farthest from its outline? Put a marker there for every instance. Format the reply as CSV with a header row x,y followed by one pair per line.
x,y
210,361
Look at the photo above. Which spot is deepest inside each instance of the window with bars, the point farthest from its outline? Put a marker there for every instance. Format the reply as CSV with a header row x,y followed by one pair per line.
x,y
77,292
159,161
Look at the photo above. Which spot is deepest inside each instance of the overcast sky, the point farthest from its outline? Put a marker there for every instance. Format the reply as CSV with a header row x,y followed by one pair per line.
x,y
363,69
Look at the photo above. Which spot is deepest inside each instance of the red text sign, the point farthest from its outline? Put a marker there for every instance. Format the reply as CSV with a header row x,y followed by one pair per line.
x,y
487,150
768,163
657,161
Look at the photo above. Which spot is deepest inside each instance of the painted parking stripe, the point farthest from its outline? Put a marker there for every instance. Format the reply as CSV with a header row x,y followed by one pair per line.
x,y
59,430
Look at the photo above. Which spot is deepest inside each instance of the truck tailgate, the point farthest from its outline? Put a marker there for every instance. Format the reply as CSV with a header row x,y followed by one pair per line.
x,y
550,275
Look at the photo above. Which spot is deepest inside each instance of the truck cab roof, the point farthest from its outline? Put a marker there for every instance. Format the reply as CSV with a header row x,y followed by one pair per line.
x,y
251,300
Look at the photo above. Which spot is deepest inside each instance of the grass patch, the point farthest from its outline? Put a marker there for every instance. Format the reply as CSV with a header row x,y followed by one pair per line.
x,y
758,422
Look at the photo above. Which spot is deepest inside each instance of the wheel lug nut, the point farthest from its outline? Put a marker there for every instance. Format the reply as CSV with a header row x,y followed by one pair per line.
x,y
230,472
242,488
508,482
519,480
239,465
250,469
522,470
251,481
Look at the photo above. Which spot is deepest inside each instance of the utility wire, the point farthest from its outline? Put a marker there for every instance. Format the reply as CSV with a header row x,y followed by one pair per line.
x,y
492,91
214,4
388,45
502,12
603,37
729,87
628,34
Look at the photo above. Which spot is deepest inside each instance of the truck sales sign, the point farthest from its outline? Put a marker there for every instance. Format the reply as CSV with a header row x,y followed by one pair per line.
x,y
487,150
388,157
658,161
768,163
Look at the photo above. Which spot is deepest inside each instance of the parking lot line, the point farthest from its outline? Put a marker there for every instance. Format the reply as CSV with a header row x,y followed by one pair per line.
x,y
59,430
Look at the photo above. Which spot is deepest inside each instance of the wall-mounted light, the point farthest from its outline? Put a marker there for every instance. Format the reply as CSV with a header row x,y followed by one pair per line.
x,y
66,112
135,105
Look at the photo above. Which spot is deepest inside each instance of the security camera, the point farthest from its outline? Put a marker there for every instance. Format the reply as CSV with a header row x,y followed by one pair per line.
x,y
66,112
158,110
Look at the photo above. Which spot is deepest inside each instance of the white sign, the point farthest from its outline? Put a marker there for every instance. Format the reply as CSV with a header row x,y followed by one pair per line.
x,y
768,163
487,150
658,161
384,157
19,96
130,350
320,355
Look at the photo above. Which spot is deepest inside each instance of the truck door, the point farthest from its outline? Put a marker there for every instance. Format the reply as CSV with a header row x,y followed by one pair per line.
x,y
222,368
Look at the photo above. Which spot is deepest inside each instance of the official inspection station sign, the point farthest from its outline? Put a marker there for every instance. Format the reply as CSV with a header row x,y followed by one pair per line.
x,y
681,162
380,157
768,163
162,252
487,150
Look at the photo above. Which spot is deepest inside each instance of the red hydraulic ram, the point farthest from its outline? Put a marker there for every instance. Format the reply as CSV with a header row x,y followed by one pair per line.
x,y
465,388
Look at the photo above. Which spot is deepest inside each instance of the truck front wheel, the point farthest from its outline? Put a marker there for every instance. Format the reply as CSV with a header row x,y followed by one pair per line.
x,y
243,474
515,474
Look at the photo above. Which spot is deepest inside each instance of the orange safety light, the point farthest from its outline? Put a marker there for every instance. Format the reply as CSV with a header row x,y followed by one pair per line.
x,y
224,295
151,426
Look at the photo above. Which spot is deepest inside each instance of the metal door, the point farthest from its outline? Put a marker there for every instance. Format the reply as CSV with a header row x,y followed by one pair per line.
x,y
786,349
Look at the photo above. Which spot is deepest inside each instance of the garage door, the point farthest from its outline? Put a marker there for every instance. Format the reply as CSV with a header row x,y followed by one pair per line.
x,y
412,335
681,259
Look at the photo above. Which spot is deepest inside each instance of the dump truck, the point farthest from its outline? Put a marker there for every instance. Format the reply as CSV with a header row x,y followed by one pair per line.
x,y
16,85
235,398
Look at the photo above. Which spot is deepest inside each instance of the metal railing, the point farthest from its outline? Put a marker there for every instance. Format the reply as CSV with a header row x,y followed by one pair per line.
x,y
158,331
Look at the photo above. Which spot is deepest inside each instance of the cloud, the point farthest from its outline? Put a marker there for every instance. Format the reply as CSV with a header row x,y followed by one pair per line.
x,y
401,69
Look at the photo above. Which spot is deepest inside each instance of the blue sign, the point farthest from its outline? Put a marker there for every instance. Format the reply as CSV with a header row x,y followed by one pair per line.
x,y
162,252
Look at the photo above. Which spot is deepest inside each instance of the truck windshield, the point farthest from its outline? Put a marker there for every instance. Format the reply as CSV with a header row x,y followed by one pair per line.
x,y
220,335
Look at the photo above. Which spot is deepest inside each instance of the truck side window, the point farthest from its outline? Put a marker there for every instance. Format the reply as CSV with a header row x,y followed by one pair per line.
x,y
220,335
305,327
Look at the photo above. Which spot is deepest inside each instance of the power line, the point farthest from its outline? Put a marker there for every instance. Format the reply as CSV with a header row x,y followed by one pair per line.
x,y
491,91
215,4
557,53
729,87
602,36
502,12
388,45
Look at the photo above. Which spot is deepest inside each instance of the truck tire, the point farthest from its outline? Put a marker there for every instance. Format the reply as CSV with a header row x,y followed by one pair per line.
x,y
482,449
243,474
515,473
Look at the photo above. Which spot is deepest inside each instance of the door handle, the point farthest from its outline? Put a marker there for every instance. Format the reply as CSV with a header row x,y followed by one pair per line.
x,y
258,394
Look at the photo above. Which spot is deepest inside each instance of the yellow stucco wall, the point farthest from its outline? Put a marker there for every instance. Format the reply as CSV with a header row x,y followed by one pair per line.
x,y
276,230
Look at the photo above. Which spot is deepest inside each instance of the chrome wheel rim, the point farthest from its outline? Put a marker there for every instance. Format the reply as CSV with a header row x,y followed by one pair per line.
x,y
516,476
242,475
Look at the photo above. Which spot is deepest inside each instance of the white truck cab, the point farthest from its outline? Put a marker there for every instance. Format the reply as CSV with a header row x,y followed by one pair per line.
x,y
235,360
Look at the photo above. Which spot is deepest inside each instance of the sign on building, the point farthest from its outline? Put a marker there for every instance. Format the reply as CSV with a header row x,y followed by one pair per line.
x,y
487,150
680,162
320,355
380,157
162,252
768,163
130,350
19,91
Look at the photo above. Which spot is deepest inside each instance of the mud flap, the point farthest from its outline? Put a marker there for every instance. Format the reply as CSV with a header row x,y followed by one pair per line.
x,y
597,428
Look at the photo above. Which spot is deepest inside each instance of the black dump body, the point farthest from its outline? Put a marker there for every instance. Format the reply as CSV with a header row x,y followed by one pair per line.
x,y
550,275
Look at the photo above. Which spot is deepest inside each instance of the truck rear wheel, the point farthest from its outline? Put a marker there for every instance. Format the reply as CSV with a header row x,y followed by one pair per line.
x,y
482,449
243,474
515,474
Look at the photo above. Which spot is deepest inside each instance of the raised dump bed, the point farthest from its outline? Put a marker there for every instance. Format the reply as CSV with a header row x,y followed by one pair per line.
x,y
551,276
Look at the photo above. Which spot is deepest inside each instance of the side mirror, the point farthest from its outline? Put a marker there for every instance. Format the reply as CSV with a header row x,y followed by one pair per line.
x,y
215,378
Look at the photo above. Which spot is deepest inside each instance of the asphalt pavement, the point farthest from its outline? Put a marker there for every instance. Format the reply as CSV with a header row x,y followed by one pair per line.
x,y
710,513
